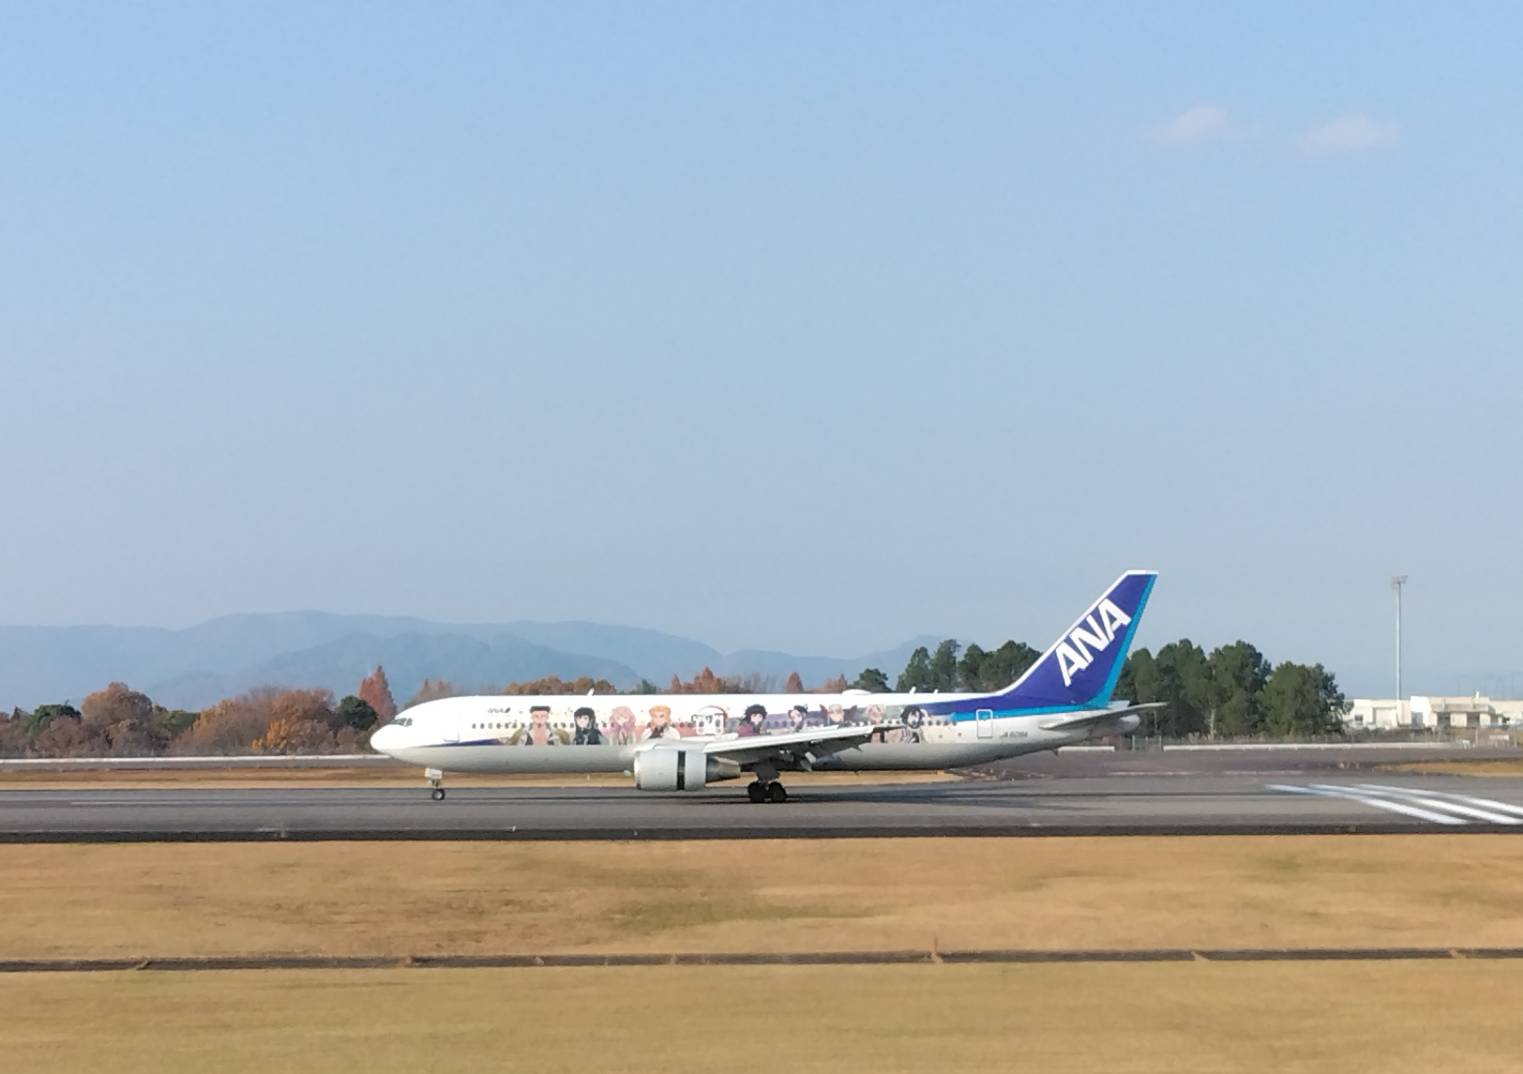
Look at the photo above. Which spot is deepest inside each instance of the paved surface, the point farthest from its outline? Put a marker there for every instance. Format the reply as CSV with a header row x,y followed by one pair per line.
x,y
1074,794
754,958
1263,760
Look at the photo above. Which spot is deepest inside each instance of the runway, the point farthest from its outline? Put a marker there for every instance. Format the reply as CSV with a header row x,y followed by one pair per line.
x,y
1285,800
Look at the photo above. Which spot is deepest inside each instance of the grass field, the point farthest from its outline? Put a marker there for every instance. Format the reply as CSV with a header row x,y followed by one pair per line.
x,y
1460,768
1192,1017
446,898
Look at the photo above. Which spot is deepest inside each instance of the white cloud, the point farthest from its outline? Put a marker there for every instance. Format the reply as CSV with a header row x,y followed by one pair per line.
x,y
1353,133
1198,123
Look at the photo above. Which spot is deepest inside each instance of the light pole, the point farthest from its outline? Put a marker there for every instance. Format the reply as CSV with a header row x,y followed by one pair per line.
x,y
1397,581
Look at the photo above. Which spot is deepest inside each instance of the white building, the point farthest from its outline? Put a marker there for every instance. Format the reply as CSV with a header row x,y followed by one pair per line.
x,y
1432,713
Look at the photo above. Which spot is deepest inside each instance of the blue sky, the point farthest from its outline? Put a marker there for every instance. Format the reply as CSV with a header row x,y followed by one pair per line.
x,y
800,326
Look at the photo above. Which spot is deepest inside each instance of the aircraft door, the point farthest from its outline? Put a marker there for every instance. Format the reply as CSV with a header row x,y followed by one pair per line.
x,y
985,720
450,730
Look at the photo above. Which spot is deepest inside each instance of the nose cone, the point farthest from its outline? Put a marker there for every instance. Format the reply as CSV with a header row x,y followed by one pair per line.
x,y
384,739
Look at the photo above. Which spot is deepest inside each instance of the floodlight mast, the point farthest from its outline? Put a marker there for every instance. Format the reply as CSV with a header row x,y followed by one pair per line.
x,y
1397,581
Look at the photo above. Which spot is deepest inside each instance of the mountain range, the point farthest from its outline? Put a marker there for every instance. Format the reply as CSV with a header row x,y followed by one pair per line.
x,y
196,666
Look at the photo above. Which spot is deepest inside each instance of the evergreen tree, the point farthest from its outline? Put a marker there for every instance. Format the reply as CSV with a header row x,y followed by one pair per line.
x,y
1006,664
944,665
970,669
1238,673
357,713
917,674
871,679
1302,699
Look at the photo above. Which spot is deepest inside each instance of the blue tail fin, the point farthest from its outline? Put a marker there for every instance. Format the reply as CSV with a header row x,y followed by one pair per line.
x,y
1080,669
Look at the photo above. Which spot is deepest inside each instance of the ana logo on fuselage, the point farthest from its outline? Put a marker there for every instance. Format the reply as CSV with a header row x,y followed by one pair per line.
x,y
1077,651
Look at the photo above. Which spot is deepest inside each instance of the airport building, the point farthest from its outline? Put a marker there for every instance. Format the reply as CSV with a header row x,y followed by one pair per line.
x,y
1430,713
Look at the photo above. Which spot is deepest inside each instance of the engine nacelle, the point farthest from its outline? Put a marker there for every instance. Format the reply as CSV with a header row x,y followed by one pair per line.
x,y
679,768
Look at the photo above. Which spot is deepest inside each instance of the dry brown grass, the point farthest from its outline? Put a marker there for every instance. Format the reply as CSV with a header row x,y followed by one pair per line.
x,y
1512,768
1395,1018
788,895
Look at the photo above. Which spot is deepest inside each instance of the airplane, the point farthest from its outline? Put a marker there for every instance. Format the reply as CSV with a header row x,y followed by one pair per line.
x,y
684,742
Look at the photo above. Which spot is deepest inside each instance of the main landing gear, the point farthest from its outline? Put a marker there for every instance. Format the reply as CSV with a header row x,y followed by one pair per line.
x,y
765,787
435,779
770,791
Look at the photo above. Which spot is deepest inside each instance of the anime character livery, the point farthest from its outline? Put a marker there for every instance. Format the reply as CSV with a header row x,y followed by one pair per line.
x,y
681,745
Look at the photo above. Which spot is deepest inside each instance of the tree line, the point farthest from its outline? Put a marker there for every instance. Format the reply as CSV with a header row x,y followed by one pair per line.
x,y
1231,692
119,721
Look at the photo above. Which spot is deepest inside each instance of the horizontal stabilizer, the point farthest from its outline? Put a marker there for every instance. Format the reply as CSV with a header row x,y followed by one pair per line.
x,y
1096,721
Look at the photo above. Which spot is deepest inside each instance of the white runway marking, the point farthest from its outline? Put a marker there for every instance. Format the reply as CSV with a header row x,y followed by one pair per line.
x,y
1488,803
1421,797
1352,795
1440,807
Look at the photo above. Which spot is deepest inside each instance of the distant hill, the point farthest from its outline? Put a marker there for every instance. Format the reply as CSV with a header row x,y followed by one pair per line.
x,y
194,667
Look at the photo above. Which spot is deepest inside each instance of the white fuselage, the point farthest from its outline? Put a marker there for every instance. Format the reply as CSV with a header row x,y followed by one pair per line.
x,y
603,733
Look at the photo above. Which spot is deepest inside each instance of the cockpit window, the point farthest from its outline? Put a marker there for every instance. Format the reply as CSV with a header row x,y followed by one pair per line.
x,y
403,721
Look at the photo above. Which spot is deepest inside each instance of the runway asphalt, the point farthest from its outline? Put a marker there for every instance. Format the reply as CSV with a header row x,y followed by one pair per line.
x,y
1086,795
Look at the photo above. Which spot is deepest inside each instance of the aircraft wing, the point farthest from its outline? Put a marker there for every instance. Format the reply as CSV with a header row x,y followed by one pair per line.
x,y
1096,721
814,740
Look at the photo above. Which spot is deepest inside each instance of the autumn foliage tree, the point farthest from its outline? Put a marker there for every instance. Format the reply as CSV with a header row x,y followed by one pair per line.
x,y
706,682
306,721
230,726
554,684
794,685
375,691
122,719
433,690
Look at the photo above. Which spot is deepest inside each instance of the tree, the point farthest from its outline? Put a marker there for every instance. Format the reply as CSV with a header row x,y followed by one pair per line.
x,y
123,721
554,684
375,691
173,723
944,665
794,685
13,740
871,679
433,690
1184,682
1136,678
917,674
1238,673
645,686
43,715
357,713
1139,684
64,736
228,726
301,721
971,667
834,685
1302,699
1004,665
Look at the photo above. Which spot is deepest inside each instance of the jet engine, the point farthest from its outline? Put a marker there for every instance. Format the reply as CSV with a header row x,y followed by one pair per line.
x,y
680,769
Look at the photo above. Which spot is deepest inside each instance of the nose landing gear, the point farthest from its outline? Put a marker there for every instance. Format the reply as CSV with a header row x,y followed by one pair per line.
x,y
435,779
